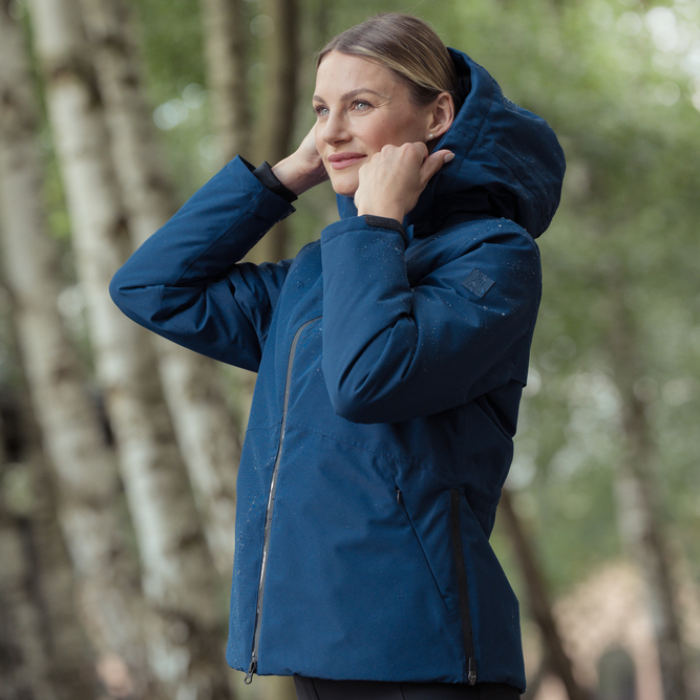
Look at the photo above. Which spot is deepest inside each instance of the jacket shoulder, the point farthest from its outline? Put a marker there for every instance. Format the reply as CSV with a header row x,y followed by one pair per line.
x,y
501,242
479,231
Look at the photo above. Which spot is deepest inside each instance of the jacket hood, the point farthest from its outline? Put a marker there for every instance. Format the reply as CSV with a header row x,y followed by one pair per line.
x,y
508,162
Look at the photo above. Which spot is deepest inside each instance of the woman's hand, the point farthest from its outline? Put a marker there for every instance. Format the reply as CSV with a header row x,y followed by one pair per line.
x,y
303,169
393,179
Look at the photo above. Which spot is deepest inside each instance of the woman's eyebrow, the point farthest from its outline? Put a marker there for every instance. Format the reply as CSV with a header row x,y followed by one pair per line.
x,y
350,95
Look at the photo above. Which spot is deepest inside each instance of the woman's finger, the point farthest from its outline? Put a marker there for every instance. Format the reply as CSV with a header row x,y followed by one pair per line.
x,y
434,162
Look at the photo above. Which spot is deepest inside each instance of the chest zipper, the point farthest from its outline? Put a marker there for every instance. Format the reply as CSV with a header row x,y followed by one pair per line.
x,y
271,504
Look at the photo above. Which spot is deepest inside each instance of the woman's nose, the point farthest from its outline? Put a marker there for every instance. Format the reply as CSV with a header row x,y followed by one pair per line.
x,y
335,128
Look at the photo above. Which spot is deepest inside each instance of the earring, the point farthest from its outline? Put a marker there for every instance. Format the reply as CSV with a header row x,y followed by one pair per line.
x,y
430,137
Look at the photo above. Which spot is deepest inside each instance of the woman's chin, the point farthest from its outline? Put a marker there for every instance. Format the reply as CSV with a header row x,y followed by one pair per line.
x,y
344,186
345,193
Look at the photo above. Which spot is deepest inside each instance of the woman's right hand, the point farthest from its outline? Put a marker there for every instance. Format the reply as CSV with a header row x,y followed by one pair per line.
x,y
304,168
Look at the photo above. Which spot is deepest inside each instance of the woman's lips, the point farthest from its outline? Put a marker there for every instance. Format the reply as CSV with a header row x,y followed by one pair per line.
x,y
339,161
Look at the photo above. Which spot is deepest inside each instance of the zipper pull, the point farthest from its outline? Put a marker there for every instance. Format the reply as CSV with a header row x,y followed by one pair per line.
x,y
471,675
398,495
251,670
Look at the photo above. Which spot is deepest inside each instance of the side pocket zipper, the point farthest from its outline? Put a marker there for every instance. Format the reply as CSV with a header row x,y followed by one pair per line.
x,y
462,588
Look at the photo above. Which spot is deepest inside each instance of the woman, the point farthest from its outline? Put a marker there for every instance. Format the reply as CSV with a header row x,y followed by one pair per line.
x,y
391,355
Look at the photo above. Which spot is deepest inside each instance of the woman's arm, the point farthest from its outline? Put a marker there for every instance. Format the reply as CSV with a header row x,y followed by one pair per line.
x,y
184,283
393,352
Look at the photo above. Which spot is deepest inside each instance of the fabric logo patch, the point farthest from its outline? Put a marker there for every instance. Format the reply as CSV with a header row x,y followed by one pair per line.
x,y
478,283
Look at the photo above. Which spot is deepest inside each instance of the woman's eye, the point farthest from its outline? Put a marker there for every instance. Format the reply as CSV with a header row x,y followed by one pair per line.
x,y
321,111
361,106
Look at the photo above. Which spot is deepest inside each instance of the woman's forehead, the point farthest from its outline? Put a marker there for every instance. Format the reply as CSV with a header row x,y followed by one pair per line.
x,y
341,73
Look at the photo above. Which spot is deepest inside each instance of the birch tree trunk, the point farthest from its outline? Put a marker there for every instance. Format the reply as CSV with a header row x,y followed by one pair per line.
x,y
225,50
639,511
24,664
191,382
274,142
184,624
71,661
92,521
24,661
51,659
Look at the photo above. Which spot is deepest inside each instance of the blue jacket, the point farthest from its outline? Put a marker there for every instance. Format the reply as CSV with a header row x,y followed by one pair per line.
x,y
390,370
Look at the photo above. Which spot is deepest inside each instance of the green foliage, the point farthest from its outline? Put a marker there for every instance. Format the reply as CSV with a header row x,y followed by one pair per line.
x,y
171,37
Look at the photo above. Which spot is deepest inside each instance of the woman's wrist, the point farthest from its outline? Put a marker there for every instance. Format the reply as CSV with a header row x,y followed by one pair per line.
x,y
265,175
384,205
384,212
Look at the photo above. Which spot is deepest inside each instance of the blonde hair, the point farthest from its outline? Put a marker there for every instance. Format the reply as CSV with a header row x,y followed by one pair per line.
x,y
409,47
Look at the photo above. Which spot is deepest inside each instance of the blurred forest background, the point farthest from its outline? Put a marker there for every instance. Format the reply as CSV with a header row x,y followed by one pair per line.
x,y
118,452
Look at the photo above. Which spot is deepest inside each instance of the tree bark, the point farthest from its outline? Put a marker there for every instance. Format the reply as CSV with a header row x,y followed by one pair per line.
x,y
91,518
274,142
225,50
24,663
192,383
639,511
184,624
281,56
45,653
557,661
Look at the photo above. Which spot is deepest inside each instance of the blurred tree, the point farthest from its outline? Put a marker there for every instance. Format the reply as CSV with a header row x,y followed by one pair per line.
x,y
639,513
616,674
24,665
43,651
184,625
93,522
279,28
191,383
226,53
556,659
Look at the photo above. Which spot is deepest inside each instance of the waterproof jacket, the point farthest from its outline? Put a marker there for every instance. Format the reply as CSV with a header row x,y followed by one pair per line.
x,y
390,368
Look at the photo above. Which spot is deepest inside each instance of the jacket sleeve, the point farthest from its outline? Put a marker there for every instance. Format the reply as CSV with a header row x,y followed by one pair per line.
x,y
394,352
184,282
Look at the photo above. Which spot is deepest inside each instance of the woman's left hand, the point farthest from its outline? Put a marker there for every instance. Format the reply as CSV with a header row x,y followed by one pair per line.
x,y
393,179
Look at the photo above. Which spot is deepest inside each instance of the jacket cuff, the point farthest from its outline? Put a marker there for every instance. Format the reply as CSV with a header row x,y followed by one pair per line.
x,y
386,222
268,179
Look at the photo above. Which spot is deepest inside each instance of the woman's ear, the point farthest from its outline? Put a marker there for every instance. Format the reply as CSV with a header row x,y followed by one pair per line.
x,y
442,114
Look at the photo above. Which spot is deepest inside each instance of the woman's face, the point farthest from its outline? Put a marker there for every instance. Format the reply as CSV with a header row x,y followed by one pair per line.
x,y
361,107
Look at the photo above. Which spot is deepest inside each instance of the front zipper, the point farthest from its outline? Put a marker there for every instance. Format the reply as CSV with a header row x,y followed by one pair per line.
x,y
462,588
271,503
